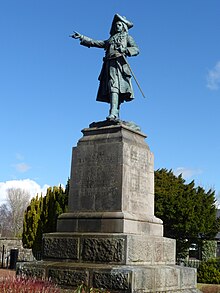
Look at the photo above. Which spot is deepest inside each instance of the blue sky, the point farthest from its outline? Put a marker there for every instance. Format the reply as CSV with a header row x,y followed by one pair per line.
x,y
48,85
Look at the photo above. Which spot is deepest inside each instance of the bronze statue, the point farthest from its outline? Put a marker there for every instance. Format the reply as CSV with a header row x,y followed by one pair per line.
x,y
115,77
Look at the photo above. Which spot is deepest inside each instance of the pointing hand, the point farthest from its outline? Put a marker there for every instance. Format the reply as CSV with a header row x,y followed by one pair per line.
x,y
76,35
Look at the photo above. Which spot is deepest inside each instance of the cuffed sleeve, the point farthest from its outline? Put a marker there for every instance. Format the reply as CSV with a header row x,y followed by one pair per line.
x,y
88,42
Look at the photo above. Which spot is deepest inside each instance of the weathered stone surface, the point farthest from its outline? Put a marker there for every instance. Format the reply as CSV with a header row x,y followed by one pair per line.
x,y
144,279
103,250
9,243
167,278
143,249
70,278
62,247
112,171
111,280
118,278
94,179
31,269
187,277
169,250
110,237
102,223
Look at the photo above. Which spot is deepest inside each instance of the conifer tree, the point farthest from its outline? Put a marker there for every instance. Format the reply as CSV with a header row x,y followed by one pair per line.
x,y
31,221
41,216
188,212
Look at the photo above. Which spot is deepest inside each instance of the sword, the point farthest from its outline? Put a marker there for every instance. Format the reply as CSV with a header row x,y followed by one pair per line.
x,y
134,76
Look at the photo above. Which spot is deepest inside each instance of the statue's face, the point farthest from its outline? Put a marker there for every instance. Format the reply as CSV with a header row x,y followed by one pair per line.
x,y
118,27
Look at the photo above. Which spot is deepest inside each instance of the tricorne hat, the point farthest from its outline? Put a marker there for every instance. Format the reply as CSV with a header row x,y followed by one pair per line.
x,y
118,17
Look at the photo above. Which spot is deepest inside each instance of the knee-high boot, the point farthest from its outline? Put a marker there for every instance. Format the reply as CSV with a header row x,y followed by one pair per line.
x,y
114,107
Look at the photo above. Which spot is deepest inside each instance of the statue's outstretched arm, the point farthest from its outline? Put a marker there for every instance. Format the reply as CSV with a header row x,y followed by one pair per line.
x,y
88,42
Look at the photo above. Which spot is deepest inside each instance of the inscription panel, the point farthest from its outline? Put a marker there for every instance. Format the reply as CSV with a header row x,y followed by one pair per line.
x,y
110,172
96,183
98,154
96,177
138,181
137,158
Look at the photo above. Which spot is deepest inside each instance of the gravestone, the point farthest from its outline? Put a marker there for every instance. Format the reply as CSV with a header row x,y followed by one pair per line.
x,y
110,237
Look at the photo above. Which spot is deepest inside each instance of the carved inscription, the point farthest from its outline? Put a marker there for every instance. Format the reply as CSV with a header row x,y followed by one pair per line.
x,y
113,281
60,248
134,155
103,250
134,182
138,158
96,177
106,154
100,177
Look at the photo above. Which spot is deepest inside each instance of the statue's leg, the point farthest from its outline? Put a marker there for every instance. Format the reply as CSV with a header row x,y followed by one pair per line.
x,y
114,107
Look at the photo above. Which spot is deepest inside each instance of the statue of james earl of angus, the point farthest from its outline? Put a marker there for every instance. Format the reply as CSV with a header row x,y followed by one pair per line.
x,y
115,77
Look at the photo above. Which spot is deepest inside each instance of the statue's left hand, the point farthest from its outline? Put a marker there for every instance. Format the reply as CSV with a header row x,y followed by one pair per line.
x,y
122,50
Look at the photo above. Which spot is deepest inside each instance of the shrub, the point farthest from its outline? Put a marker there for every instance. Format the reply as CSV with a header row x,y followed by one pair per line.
x,y
24,285
209,248
209,272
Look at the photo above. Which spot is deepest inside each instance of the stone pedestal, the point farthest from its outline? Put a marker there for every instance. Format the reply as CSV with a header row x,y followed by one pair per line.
x,y
112,184
110,237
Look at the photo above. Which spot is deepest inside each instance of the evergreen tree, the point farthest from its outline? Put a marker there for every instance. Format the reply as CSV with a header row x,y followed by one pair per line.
x,y
188,212
41,216
31,221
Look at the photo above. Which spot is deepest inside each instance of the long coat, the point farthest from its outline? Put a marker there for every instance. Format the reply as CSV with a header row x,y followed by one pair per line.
x,y
115,75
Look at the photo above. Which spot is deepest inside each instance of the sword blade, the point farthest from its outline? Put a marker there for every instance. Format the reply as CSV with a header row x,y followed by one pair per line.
x,y
134,77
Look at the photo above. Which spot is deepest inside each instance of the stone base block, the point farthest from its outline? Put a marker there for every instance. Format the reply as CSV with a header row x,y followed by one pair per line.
x,y
109,222
127,249
115,278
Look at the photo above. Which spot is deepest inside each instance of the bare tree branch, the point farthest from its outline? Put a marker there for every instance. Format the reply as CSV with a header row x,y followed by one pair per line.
x,y
12,213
